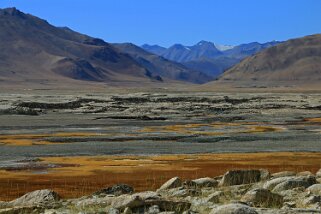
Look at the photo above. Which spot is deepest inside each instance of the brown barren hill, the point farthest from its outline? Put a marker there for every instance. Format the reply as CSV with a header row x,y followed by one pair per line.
x,y
294,62
34,52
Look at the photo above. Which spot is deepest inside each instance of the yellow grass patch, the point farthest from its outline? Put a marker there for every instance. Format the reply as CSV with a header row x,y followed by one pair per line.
x,y
247,127
144,172
258,129
314,120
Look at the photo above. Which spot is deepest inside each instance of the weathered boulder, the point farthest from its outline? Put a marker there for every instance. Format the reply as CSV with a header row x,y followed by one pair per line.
x,y
183,192
265,175
145,200
263,198
148,195
93,202
238,177
153,209
315,189
206,182
133,201
318,174
3,204
124,201
216,197
312,200
23,210
289,204
119,189
113,211
127,210
295,182
305,173
274,182
283,174
234,209
169,205
172,183
292,194
38,197
189,184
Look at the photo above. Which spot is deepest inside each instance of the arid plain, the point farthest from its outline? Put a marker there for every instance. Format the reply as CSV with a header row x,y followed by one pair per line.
x,y
64,141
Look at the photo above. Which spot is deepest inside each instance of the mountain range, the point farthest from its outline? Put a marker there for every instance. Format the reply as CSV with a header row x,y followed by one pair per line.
x,y
33,51
162,67
296,60
207,57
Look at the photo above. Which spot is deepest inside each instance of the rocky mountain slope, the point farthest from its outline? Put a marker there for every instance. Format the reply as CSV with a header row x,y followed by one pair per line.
x,y
297,60
207,57
35,52
162,67
237,191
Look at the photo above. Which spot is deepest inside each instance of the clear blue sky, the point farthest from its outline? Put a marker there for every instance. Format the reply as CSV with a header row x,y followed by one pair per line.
x,y
166,22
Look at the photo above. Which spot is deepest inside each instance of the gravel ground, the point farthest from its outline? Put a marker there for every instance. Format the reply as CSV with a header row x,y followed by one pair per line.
x,y
151,124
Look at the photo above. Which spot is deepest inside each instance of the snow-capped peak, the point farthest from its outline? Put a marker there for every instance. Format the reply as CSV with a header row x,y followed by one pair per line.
x,y
224,47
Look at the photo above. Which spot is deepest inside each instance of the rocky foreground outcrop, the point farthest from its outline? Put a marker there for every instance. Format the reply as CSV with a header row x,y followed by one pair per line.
x,y
236,192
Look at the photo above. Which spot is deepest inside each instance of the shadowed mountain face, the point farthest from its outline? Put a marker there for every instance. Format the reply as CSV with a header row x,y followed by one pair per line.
x,y
33,51
207,57
162,67
294,60
181,53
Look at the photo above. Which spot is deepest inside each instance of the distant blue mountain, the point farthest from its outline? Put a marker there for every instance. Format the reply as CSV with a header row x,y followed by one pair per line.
x,y
208,57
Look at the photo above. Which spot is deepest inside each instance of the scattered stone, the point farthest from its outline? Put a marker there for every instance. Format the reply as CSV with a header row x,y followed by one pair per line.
x,y
38,197
274,182
167,205
238,177
148,195
294,183
263,198
234,209
189,212
145,200
128,211
170,184
315,189
3,204
283,174
265,175
113,211
154,209
184,192
215,197
218,178
117,190
205,182
292,194
93,202
23,210
318,174
124,201
289,204
312,200
189,184
305,173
